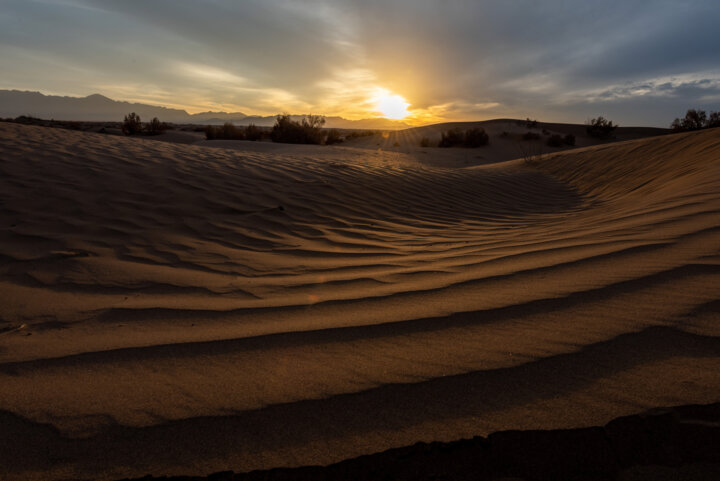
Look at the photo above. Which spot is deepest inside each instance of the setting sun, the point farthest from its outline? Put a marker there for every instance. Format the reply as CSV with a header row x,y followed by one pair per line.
x,y
391,105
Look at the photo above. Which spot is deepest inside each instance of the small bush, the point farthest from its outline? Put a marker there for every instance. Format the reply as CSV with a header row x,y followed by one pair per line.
x,y
228,131
424,142
696,120
600,128
476,137
333,137
253,133
531,136
530,124
451,137
307,131
131,124
569,139
713,120
155,127
555,140
545,132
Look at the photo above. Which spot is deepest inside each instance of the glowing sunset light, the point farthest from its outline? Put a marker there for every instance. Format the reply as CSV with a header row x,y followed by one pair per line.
x,y
391,105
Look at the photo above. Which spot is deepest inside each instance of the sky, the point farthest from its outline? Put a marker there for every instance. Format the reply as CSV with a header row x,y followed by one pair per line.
x,y
637,62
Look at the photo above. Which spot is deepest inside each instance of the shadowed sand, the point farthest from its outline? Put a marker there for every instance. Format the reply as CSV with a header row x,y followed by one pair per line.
x,y
176,309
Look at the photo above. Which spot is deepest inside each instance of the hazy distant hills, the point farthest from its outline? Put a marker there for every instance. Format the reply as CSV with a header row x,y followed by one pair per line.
x,y
97,107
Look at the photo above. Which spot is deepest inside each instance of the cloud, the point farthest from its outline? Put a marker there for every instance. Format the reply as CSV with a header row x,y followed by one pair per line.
x,y
555,60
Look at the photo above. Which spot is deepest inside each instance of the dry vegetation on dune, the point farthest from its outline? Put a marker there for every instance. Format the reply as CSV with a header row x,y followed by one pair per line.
x,y
177,309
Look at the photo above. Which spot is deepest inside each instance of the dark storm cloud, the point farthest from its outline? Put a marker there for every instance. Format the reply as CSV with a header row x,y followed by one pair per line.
x,y
557,59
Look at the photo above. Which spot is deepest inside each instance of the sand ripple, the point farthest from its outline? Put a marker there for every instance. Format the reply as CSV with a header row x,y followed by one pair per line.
x,y
181,309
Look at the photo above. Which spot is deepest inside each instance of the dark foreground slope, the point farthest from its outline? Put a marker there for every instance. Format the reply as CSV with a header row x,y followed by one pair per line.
x,y
681,443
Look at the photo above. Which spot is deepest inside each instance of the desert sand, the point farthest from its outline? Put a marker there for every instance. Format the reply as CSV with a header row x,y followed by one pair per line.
x,y
179,309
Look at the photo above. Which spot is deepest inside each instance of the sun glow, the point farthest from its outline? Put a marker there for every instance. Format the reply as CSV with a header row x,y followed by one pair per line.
x,y
391,105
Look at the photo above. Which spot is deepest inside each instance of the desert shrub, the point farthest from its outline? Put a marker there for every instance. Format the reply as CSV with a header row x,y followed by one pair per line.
x,y
696,120
531,136
476,137
254,133
424,142
530,124
230,132
227,131
555,140
131,124
569,139
333,137
545,132
600,127
713,120
307,131
155,127
451,137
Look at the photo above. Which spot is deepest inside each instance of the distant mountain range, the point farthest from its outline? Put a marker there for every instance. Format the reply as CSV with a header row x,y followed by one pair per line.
x,y
96,107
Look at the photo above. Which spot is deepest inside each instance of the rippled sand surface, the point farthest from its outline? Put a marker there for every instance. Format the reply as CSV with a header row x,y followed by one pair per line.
x,y
179,309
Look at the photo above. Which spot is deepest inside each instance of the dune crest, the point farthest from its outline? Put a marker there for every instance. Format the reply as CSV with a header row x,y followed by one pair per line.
x,y
310,304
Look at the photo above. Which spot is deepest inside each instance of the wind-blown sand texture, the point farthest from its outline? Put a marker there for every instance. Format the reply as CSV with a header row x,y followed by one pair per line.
x,y
175,309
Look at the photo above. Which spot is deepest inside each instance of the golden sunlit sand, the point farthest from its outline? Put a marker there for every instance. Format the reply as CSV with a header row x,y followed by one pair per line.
x,y
179,309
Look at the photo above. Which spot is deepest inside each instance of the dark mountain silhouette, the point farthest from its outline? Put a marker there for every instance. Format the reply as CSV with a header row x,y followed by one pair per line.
x,y
96,107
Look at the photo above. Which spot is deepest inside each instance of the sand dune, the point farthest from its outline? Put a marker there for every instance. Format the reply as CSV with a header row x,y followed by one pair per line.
x,y
505,141
178,309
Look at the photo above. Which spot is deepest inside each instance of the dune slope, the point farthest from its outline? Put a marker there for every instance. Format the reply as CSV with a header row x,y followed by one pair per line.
x,y
175,309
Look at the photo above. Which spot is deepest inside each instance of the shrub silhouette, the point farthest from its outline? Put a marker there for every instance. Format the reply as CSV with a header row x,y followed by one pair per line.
x,y
228,131
474,137
531,136
253,133
696,120
131,124
333,137
713,120
155,127
569,139
307,131
210,133
451,137
600,128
